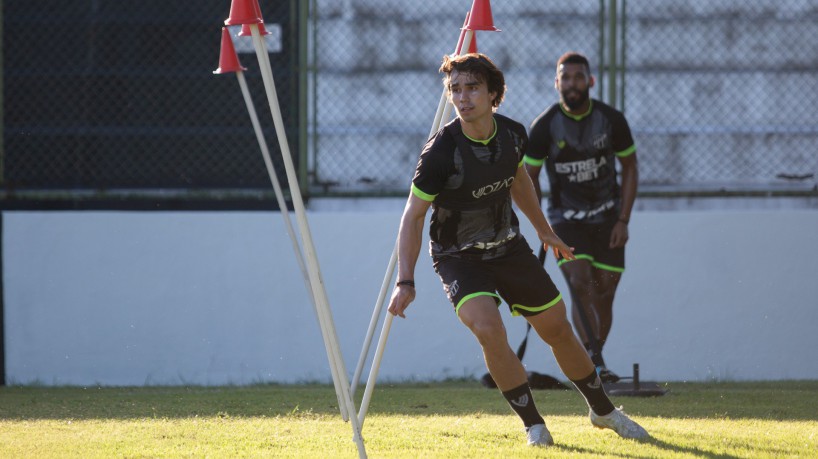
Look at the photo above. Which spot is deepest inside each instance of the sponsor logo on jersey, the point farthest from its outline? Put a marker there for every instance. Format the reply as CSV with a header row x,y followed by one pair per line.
x,y
492,188
600,141
583,214
581,171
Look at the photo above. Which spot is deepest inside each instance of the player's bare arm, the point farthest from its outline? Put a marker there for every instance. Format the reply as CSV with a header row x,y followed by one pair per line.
x,y
630,179
534,175
410,238
522,192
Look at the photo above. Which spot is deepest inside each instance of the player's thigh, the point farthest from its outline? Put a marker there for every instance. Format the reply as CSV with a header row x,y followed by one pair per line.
x,y
552,324
464,279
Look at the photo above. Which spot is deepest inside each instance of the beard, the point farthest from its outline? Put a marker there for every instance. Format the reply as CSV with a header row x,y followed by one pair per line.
x,y
574,99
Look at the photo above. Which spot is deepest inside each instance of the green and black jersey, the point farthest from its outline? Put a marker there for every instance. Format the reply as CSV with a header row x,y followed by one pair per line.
x,y
579,156
468,183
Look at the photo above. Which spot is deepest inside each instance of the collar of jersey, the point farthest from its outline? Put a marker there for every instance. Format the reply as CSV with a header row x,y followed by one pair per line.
x,y
578,117
485,142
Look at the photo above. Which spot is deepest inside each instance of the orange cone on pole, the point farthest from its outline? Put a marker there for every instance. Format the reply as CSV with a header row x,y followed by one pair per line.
x,y
245,30
480,16
244,12
472,43
228,60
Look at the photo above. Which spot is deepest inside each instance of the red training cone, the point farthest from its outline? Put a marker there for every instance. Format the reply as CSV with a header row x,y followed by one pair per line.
x,y
228,60
473,44
245,30
244,12
480,16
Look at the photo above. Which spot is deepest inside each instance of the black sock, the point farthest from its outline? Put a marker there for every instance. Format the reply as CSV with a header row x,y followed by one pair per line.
x,y
596,357
522,402
591,388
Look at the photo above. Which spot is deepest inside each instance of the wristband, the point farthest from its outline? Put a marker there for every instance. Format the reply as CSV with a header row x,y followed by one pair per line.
x,y
623,220
410,283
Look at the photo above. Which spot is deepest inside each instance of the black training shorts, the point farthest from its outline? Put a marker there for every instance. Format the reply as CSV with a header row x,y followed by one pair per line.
x,y
591,241
517,277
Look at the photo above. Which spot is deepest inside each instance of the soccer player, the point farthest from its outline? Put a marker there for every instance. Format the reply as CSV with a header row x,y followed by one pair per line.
x,y
579,140
468,173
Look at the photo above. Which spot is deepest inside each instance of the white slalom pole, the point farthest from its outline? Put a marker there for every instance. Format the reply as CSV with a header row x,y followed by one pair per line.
x,y
376,314
268,162
328,325
376,365
332,352
321,302
439,120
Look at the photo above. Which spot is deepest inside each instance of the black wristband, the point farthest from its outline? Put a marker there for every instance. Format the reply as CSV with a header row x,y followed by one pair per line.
x,y
622,220
410,283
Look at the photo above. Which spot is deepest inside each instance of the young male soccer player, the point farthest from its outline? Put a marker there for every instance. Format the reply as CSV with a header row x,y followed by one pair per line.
x,y
468,173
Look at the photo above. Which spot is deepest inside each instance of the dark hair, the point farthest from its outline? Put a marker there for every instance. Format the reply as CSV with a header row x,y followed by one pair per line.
x,y
481,67
573,57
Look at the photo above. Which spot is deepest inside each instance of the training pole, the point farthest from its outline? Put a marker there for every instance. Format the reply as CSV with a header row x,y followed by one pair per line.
x,y
265,152
373,372
229,62
324,316
316,283
248,12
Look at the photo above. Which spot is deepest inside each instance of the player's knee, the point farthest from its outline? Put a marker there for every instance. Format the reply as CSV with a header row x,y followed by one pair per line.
x,y
556,331
489,332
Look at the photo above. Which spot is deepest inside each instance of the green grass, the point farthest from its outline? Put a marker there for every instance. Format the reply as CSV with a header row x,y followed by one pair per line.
x,y
449,420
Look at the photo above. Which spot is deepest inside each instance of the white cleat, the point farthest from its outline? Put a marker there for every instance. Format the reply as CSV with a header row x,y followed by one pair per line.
x,y
538,435
620,423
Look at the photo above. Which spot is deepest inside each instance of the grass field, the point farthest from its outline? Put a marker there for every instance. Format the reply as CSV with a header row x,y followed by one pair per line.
x,y
456,419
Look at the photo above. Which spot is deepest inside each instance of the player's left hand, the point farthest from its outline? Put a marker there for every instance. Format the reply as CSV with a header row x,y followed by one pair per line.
x,y
619,235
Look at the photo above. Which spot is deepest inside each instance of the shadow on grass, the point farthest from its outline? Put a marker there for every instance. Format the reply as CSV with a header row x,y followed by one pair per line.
x,y
693,452
786,400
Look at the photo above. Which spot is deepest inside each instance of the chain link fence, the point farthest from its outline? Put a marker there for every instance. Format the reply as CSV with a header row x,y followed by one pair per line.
x,y
719,95
111,100
114,101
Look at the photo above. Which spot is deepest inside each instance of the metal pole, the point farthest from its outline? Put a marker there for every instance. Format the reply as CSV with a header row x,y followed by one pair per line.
x,y
612,65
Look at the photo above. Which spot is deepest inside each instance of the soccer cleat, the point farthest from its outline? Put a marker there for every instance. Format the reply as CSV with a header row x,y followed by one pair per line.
x,y
606,375
620,423
538,435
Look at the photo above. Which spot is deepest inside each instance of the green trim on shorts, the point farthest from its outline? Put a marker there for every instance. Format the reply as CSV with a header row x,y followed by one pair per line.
x,y
537,309
420,194
533,162
581,256
476,294
605,267
627,152
594,263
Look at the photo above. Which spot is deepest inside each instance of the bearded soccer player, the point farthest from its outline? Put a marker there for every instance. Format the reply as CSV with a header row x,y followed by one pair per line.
x,y
579,140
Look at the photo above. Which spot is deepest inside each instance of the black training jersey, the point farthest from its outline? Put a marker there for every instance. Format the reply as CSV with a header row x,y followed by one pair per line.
x,y
468,183
579,155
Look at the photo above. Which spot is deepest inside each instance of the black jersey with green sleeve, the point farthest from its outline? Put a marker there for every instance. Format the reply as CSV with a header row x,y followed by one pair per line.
x,y
469,185
579,154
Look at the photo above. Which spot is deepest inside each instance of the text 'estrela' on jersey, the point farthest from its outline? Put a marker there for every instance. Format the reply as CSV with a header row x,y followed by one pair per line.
x,y
579,153
468,183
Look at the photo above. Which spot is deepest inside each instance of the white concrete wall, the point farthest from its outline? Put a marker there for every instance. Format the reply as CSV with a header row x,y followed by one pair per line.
x,y
132,298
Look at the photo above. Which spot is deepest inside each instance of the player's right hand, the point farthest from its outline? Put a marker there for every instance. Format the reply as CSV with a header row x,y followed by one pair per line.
x,y
401,297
